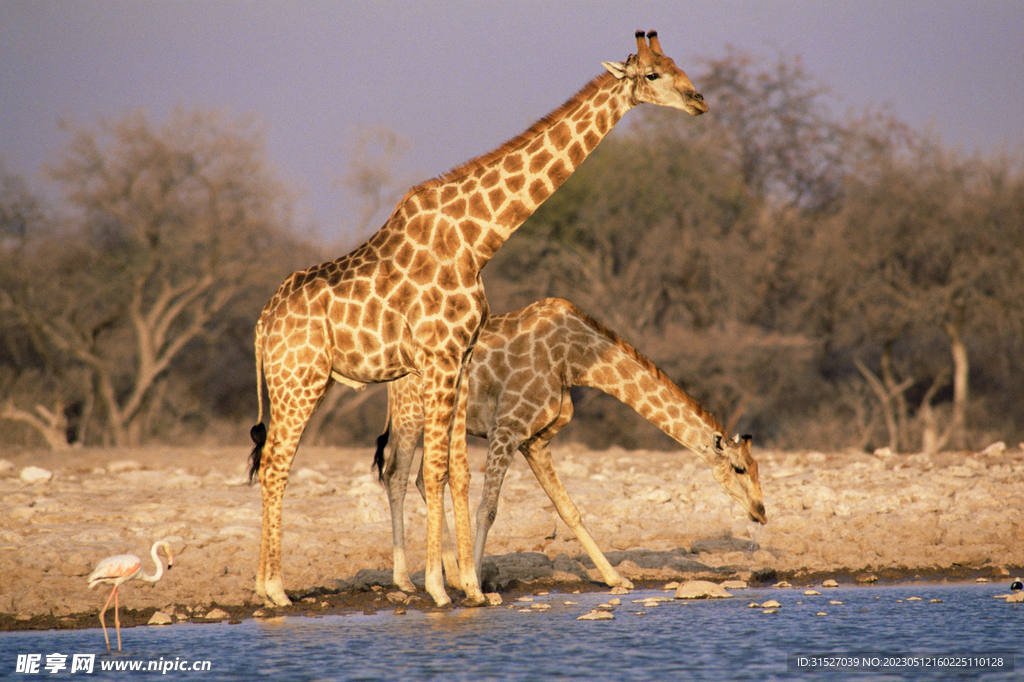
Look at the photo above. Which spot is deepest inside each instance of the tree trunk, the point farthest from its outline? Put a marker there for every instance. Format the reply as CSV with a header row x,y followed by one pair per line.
x,y
958,420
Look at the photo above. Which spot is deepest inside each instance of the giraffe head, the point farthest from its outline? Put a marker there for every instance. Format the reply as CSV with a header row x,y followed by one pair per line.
x,y
736,469
656,78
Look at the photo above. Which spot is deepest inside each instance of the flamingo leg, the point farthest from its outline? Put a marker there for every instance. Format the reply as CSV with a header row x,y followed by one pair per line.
x,y
117,619
103,623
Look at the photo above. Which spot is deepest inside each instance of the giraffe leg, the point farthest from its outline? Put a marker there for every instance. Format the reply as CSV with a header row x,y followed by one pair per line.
x,y
539,458
290,410
448,558
501,448
274,478
445,460
396,479
458,484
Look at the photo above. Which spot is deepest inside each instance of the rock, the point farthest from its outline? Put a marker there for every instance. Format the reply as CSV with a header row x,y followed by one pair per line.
x,y
34,474
216,614
597,615
1015,598
397,597
307,475
619,590
701,589
493,599
771,604
810,593
735,584
830,583
160,618
994,450
122,465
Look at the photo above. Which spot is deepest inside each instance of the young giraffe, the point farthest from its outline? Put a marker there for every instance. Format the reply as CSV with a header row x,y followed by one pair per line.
x,y
410,301
523,366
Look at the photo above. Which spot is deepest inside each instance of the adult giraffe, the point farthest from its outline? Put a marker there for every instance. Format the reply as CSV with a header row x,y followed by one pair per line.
x,y
410,301
519,379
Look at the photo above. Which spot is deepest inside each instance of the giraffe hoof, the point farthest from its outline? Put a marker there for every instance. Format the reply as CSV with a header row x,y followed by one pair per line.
x,y
475,600
280,599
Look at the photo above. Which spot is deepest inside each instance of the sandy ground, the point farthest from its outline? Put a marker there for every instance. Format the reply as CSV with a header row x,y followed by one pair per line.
x,y
659,516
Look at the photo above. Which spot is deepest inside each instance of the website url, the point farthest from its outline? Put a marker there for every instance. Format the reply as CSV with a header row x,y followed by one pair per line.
x,y
162,666
34,664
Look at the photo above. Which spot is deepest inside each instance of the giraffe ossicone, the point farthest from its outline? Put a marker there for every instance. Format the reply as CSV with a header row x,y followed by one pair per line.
x,y
522,368
410,301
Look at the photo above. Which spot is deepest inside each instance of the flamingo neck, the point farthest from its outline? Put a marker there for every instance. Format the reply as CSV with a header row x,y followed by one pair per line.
x,y
159,565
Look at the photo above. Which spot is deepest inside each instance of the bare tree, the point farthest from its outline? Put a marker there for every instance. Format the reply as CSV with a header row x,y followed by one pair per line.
x,y
167,227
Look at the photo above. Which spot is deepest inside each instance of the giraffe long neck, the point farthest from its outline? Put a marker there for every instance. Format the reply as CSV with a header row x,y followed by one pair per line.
x,y
611,365
489,197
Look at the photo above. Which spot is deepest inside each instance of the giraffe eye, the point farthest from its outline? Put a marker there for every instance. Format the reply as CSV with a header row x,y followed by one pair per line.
x,y
739,470
652,76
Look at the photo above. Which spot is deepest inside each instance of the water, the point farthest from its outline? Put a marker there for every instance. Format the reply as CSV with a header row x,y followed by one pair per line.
x,y
709,640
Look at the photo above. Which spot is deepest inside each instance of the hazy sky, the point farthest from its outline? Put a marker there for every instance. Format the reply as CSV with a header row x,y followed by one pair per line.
x,y
457,78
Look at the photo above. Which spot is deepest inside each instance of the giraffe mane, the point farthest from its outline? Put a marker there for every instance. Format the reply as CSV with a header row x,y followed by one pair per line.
x,y
517,142
648,365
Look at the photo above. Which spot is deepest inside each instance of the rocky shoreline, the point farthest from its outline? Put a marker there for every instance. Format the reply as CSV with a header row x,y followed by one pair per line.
x,y
659,517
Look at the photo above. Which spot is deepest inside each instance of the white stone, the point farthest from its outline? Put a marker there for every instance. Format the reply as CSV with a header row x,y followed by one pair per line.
x,y
216,614
33,474
770,604
597,615
701,589
493,599
159,618
997,448
122,465
735,584
830,583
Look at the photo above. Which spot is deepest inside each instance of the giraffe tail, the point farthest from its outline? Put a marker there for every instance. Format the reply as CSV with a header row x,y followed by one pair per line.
x,y
258,433
378,457
382,442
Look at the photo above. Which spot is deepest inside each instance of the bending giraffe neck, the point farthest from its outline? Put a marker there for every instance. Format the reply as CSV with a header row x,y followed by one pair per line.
x,y
611,365
490,196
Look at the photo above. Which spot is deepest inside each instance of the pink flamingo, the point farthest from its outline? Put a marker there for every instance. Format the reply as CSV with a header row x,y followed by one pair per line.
x,y
115,570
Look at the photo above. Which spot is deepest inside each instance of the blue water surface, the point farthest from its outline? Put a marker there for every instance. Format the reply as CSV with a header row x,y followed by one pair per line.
x,y
880,632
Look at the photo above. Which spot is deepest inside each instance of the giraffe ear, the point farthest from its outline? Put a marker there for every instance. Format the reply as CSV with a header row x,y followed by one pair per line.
x,y
617,69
